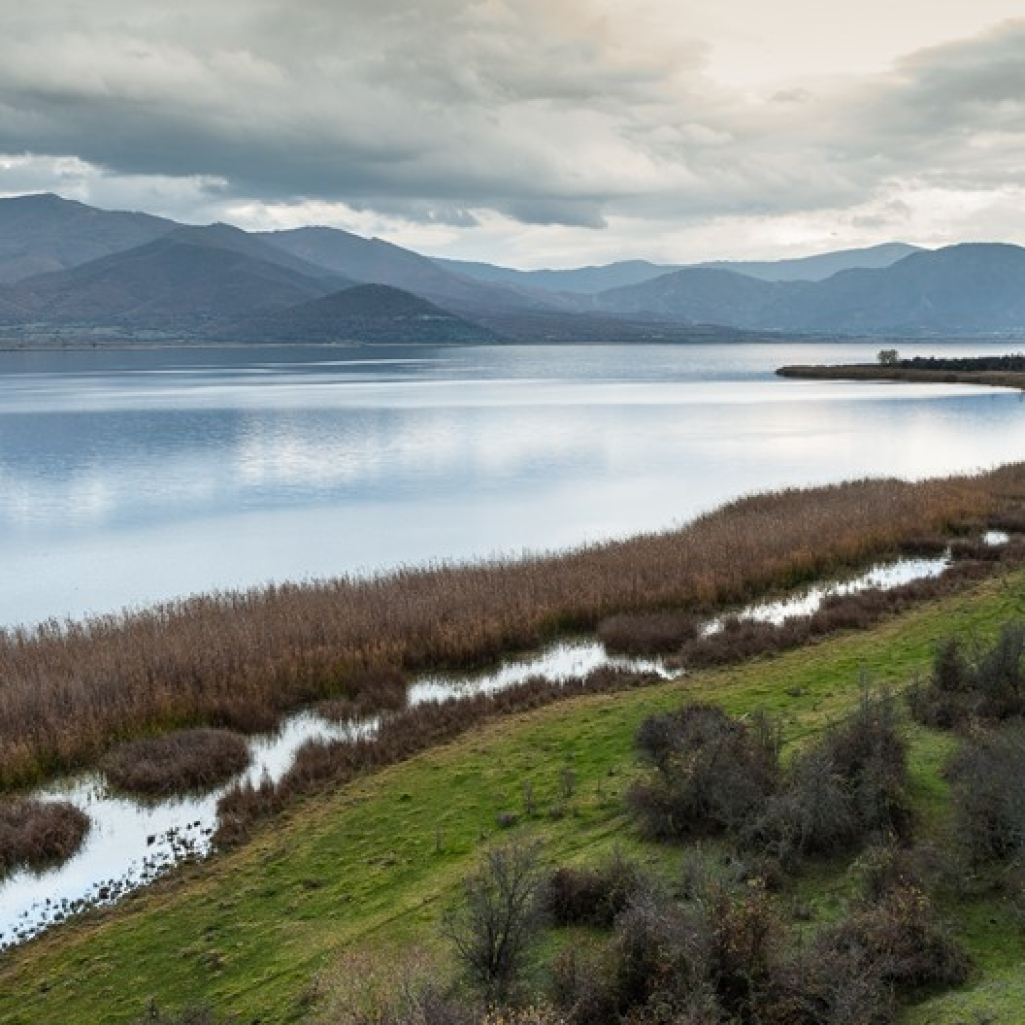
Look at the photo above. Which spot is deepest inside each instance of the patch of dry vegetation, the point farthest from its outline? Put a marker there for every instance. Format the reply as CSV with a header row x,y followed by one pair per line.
x,y
35,834
176,762
241,659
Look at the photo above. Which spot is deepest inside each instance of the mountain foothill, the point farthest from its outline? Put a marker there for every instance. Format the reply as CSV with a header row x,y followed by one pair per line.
x,y
73,274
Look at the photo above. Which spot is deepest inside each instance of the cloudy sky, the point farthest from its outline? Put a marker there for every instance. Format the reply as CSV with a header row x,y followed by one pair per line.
x,y
531,132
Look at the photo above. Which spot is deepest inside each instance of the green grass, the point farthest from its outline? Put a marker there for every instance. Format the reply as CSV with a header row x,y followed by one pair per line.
x,y
377,861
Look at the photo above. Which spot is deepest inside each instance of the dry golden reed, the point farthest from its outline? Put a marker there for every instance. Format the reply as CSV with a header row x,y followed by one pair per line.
x,y
70,690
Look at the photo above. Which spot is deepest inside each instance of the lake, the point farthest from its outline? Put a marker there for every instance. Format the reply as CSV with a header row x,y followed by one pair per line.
x,y
132,477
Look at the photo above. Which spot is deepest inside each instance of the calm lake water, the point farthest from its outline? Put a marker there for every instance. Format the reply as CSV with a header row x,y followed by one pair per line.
x,y
128,478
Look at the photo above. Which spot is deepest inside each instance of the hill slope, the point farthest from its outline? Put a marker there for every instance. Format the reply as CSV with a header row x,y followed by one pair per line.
x,y
44,233
372,314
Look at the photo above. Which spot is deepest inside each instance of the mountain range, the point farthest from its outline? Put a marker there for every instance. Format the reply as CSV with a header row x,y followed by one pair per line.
x,y
71,272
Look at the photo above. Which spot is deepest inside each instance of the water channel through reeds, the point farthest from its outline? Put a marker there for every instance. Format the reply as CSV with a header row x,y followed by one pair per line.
x,y
132,842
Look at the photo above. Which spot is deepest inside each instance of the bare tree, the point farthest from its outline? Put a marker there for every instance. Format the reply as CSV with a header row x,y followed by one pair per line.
x,y
498,917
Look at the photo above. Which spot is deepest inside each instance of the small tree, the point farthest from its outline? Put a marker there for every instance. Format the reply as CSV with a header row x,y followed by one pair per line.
x,y
498,918
888,357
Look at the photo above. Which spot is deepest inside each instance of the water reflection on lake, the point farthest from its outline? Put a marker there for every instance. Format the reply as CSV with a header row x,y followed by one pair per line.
x,y
132,477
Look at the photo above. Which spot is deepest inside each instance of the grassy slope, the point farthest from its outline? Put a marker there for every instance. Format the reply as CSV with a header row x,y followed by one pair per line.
x,y
375,862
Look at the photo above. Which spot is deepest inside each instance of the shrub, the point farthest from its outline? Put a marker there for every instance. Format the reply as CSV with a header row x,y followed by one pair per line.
x,y
990,686
197,1014
901,939
367,691
709,772
34,834
989,810
850,785
387,988
176,762
498,918
593,896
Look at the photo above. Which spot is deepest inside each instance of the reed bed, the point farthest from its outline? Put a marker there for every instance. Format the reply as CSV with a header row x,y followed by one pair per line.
x,y
179,762
70,690
35,834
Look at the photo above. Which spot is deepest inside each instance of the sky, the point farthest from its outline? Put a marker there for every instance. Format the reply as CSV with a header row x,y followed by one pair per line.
x,y
531,133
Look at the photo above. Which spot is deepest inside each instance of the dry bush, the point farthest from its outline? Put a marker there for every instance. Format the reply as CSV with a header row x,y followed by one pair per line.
x,y
387,987
651,633
987,684
176,762
593,896
708,772
35,834
197,1014
244,658
498,919
851,785
989,810
901,939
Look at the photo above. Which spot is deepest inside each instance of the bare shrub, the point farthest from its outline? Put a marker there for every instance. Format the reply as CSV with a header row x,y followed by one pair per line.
x,y
581,985
176,762
651,633
901,939
593,896
386,987
989,810
35,834
196,1014
709,772
851,785
498,918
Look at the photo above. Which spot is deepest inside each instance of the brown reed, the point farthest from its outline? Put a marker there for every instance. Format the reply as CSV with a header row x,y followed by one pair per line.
x,y
240,659
176,763
34,834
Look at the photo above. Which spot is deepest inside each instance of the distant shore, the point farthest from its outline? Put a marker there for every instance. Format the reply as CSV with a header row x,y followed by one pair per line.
x,y
881,372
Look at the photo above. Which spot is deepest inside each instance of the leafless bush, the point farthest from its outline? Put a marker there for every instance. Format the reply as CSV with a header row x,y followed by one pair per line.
x,y
989,809
593,896
498,918
34,834
851,785
385,987
987,684
176,762
709,772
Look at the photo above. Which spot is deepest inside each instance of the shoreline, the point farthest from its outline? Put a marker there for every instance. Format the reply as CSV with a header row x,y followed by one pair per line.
x,y
872,372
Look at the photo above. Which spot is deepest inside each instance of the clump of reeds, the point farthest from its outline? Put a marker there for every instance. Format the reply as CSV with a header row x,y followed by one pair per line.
x,y
652,633
176,763
367,692
242,659
35,834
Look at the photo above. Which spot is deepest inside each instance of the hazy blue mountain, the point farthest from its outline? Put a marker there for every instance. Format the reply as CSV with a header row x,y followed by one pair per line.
x,y
579,281
972,289
377,262
180,281
818,268
361,313
591,280
44,233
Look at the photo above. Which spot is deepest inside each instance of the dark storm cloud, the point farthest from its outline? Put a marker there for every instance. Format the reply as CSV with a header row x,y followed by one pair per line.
x,y
544,112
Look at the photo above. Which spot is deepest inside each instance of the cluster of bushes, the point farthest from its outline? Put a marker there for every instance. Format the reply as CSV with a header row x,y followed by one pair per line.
x,y
719,955
35,834
709,773
986,684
